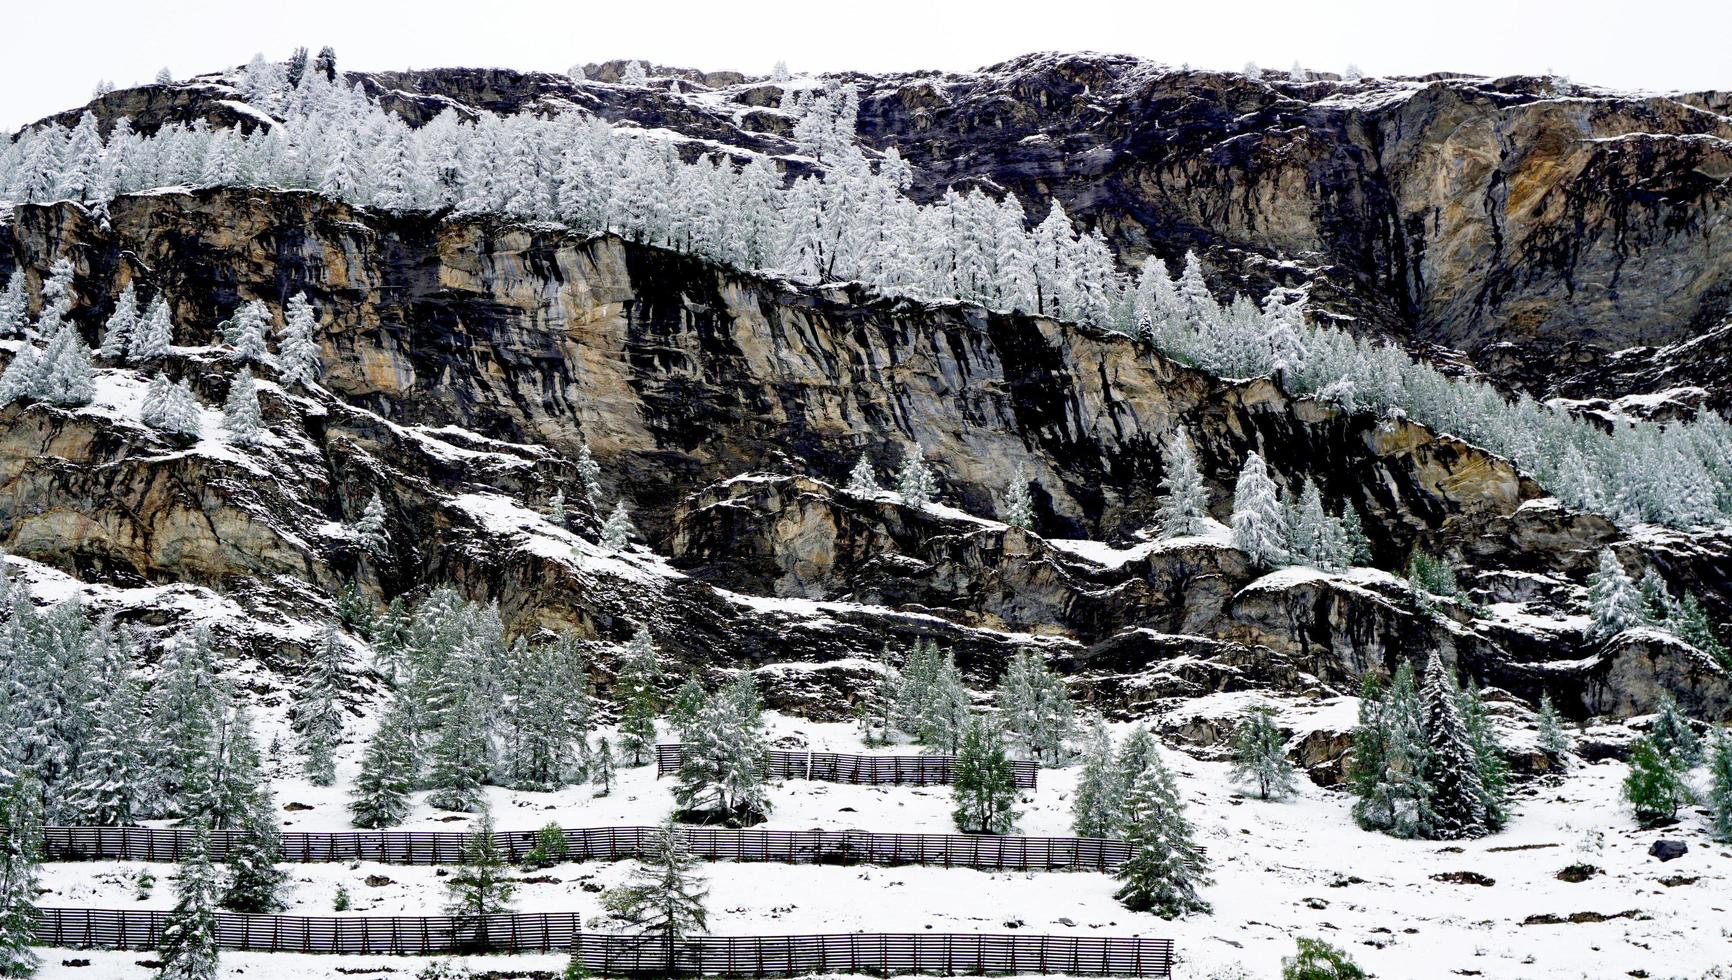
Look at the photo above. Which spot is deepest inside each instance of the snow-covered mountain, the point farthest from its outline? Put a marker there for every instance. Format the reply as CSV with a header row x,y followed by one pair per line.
x,y
601,437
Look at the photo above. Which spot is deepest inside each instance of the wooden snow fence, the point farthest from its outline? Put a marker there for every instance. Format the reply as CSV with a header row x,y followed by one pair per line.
x,y
836,767
546,932
607,955
612,843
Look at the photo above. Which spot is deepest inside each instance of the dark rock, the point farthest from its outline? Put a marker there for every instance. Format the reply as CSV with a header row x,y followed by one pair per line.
x,y
1668,850
1464,878
1577,873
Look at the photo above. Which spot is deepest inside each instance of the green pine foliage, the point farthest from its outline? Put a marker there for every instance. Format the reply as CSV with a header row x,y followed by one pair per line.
x,y
663,898
1719,798
1489,758
1673,736
550,848
983,785
319,718
932,705
1457,795
601,770
1386,768
188,948
1260,754
20,853
255,879
639,674
380,796
1553,740
1318,960
1166,870
1095,807
480,884
722,771
1036,708
1656,786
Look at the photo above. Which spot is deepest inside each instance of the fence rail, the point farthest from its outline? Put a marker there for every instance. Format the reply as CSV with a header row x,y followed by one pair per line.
x,y
142,929
836,767
612,843
886,953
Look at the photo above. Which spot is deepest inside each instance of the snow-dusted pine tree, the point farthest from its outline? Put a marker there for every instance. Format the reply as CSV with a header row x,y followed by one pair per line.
x,y
1657,784
1488,755
117,332
862,480
20,852
983,786
481,883
188,948
14,304
556,508
297,351
1166,869
633,73
255,854
914,481
1613,600
1457,797
380,797
1673,736
601,768
1019,502
153,335
721,774
1260,754
1719,797
371,531
246,332
1386,768
319,708
170,407
589,475
663,897
242,419
1184,500
1095,807
1259,523
1553,741
617,530
1035,707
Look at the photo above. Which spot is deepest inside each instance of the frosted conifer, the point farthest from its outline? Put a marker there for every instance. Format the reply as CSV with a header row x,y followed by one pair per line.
x,y
1719,798
1259,524
1094,809
617,530
589,474
246,333
984,786
1457,797
242,418
381,794
862,480
1166,868
188,948
371,531
1184,500
117,332
1613,600
1260,754
1019,502
20,853
1673,735
914,481
663,897
153,335
1553,742
297,351
319,719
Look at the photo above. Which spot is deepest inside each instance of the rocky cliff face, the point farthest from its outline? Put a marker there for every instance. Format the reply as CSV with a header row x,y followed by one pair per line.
x,y
1530,222
467,362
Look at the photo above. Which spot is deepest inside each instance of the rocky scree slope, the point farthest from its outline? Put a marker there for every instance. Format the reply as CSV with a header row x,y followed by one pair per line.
x,y
1530,222
469,360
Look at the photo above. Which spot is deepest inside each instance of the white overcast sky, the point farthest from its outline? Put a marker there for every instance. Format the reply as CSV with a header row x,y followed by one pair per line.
x,y
51,55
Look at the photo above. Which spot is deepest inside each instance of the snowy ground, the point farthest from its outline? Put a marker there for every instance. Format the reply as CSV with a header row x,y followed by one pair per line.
x,y
1282,869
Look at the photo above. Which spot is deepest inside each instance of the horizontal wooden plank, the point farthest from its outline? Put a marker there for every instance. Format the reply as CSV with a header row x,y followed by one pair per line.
x,y
883,953
142,929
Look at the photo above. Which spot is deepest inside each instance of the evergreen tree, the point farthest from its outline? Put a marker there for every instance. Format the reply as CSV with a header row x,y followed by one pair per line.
x,y
1387,766
983,785
1166,868
117,332
297,351
1613,600
1673,736
862,480
171,407
1019,503
1094,808
20,852
1184,500
153,336
480,884
931,702
320,717
1036,707
1693,627
556,509
1260,754
188,948
371,531
254,852
246,332
1259,525
633,74
1353,533
1457,796
14,304
1317,960
1719,798
638,675
601,770
381,794
663,898
721,770
915,481
390,639
105,789
589,474
242,419
617,530
687,707
1488,757
1656,785
1553,742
